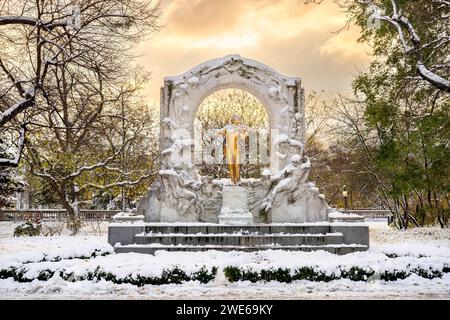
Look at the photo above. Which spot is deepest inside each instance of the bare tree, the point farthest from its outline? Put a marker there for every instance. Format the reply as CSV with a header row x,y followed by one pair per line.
x,y
37,37
74,146
351,130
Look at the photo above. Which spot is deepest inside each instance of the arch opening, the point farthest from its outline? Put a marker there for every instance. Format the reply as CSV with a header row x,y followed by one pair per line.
x,y
214,113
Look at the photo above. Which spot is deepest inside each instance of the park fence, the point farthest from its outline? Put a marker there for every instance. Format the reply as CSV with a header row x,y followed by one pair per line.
x,y
55,214
373,214
370,213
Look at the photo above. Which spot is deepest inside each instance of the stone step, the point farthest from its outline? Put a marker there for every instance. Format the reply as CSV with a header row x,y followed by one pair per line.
x,y
151,249
240,239
192,236
207,228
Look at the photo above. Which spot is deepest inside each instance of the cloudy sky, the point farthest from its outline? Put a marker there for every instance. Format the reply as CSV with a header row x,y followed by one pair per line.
x,y
293,38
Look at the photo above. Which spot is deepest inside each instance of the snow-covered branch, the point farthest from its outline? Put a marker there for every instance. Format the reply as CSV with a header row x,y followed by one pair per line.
x,y
44,175
447,3
91,167
120,183
5,162
11,77
30,21
412,43
15,109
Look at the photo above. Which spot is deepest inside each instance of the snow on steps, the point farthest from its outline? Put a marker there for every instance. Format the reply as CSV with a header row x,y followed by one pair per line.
x,y
152,248
240,239
150,237
207,228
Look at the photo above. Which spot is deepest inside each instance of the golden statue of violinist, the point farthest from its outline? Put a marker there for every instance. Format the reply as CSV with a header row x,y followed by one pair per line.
x,y
232,133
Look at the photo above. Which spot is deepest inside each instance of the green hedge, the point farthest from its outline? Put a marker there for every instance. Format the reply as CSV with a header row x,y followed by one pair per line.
x,y
168,276
176,275
234,274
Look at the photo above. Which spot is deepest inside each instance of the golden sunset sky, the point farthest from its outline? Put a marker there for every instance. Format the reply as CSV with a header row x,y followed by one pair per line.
x,y
291,37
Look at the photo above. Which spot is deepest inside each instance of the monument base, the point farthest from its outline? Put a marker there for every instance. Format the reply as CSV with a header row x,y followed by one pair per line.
x,y
235,206
141,237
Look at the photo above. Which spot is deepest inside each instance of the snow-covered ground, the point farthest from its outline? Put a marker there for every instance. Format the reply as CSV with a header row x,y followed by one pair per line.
x,y
427,247
92,233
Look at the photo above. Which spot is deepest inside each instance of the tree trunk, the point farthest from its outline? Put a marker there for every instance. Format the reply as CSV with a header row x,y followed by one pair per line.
x,y
440,219
406,213
73,210
414,221
440,212
73,218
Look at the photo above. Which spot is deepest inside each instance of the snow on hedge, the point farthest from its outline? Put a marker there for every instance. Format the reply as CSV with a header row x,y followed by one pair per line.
x,y
67,250
406,260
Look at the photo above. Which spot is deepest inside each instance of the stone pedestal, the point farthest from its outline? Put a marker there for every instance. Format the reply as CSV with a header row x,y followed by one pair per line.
x,y
235,206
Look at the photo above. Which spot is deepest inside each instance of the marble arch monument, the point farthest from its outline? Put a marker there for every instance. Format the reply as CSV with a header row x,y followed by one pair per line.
x,y
282,194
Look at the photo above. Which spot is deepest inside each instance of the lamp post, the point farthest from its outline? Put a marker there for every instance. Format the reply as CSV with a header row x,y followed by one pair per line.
x,y
345,194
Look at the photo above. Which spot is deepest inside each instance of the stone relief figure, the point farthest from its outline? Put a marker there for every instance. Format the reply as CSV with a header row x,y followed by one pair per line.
x,y
233,132
291,184
180,192
209,200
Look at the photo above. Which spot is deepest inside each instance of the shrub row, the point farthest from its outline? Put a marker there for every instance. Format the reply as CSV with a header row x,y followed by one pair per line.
x,y
19,274
232,273
287,275
395,255
93,254
168,276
